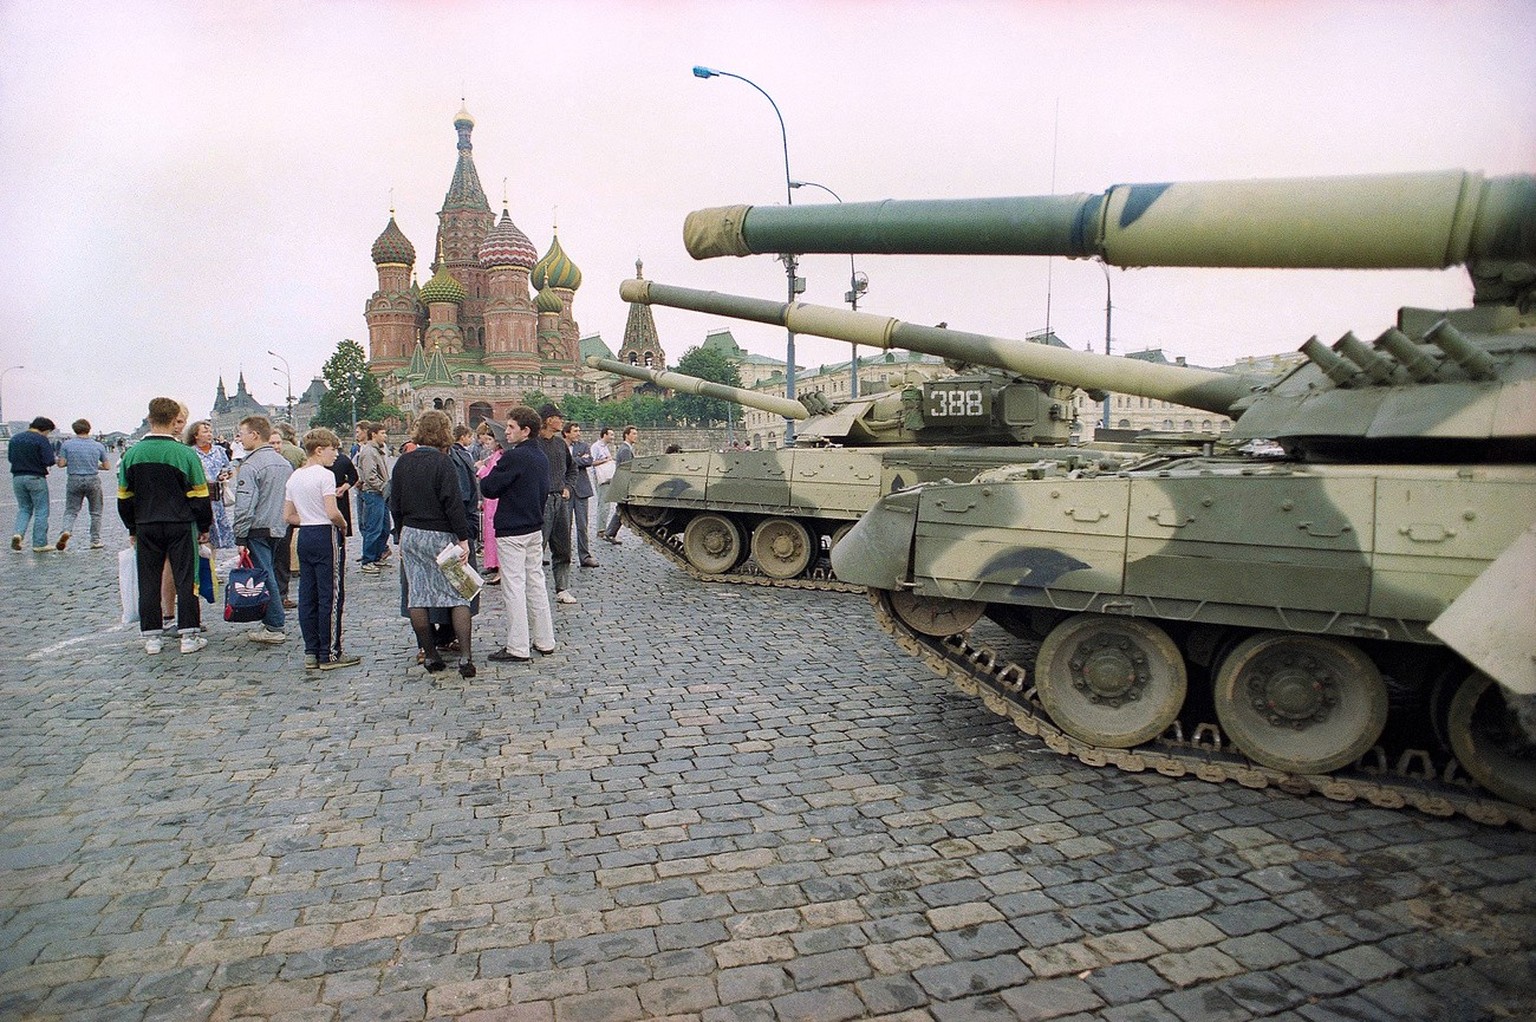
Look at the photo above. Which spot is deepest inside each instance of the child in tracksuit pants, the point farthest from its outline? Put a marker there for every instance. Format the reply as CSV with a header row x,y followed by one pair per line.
x,y
310,504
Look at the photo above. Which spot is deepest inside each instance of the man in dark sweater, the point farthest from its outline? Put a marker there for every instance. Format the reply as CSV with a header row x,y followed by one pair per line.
x,y
30,453
520,485
557,506
162,497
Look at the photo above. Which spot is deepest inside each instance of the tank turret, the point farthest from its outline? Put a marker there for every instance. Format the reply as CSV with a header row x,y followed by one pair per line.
x,y
971,403
1464,390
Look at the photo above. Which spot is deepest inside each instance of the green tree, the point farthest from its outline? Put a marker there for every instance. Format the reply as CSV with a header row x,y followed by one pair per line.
x,y
579,408
347,377
706,364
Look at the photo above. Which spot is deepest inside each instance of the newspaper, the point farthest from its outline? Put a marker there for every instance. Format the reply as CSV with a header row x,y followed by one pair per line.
x,y
466,581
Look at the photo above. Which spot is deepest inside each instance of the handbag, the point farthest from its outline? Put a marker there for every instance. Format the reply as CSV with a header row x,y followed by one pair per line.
x,y
246,594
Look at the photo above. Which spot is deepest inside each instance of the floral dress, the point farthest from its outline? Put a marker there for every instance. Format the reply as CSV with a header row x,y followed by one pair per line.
x,y
222,533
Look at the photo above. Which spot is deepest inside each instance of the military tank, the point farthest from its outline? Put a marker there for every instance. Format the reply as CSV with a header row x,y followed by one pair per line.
x,y
770,517
1356,614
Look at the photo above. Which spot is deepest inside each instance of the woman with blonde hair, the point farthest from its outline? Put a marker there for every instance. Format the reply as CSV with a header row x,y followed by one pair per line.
x,y
428,512
199,437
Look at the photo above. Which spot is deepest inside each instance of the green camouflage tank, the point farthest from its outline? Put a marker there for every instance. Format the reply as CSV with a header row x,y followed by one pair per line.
x,y
1357,614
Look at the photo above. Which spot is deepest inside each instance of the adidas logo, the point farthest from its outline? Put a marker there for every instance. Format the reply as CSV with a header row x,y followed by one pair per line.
x,y
252,589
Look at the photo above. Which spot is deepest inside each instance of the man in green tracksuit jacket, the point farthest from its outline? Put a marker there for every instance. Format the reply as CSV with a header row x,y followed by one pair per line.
x,y
162,497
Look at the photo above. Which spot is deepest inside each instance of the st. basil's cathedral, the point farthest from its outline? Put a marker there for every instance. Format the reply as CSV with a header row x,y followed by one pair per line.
x,y
473,339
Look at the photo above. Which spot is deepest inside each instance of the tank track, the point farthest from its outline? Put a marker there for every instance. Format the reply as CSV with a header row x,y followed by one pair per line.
x,y
819,577
1005,688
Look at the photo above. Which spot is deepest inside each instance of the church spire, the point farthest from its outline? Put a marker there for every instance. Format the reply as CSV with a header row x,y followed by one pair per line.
x,y
465,192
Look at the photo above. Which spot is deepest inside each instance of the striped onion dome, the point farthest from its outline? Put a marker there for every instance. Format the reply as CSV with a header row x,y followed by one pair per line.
x,y
547,301
506,245
555,269
393,246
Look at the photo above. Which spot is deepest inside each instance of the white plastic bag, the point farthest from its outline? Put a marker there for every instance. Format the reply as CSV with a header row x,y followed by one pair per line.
x,y
128,584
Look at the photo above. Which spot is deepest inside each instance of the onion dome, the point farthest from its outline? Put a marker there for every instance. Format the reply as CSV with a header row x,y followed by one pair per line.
x,y
555,269
443,287
547,301
506,245
463,118
393,246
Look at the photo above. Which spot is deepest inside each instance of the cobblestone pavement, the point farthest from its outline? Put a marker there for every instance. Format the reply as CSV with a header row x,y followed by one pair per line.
x,y
715,803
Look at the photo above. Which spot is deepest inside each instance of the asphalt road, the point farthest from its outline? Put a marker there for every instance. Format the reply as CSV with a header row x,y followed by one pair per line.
x,y
714,803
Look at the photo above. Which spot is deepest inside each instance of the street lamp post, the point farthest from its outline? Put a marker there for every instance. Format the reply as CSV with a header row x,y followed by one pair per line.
x,y
1108,306
288,376
5,430
858,283
796,284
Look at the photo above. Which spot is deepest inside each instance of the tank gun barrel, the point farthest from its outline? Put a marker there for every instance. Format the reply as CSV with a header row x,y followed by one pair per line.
x,y
1198,388
1392,221
693,385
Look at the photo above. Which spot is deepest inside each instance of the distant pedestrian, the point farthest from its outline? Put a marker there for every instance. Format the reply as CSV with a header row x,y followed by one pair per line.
x,y
309,505
557,509
259,525
621,457
519,484
492,554
428,513
162,497
582,493
216,468
603,467
372,482
31,453
283,442
82,459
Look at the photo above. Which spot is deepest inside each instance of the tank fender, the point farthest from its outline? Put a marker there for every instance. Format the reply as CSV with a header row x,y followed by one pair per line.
x,y
1493,622
877,552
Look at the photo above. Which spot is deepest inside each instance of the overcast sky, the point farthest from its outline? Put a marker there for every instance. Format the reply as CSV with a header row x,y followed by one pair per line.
x,y
184,186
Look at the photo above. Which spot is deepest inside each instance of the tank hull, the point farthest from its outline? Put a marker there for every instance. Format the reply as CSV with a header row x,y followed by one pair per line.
x,y
1284,591
822,490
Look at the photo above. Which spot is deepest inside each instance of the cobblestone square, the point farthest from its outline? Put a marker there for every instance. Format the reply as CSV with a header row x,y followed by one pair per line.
x,y
713,803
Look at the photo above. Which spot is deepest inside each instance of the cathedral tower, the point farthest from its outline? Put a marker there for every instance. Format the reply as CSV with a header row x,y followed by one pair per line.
x,y
392,312
463,223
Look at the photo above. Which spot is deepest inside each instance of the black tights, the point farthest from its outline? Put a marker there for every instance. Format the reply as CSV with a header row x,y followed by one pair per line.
x,y
426,635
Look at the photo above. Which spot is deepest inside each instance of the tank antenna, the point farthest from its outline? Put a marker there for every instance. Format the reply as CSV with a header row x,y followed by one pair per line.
x,y
1050,260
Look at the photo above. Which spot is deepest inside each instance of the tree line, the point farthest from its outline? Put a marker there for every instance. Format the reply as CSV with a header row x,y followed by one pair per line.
x,y
347,380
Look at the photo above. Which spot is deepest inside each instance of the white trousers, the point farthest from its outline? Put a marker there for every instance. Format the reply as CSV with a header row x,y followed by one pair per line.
x,y
522,587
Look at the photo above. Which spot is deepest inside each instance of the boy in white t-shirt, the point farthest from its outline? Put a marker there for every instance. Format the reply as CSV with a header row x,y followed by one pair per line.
x,y
309,504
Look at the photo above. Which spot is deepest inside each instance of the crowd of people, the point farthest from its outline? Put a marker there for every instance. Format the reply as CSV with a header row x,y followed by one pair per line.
x,y
528,495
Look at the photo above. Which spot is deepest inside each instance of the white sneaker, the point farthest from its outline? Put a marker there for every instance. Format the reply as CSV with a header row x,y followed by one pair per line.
x,y
152,646
266,635
564,596
192,643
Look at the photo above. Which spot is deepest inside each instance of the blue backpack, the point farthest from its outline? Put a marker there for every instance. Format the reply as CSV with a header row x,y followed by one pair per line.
x,y
245,592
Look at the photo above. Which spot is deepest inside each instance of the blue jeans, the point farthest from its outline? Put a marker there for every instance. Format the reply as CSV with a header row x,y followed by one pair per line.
x,y
375,526
32,502
263,551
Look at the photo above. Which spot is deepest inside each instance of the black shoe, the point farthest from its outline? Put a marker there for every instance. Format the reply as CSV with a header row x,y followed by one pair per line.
x,y
466,669
434,666
506,656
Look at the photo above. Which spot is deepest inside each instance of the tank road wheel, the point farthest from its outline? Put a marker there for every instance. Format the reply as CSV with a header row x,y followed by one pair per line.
x,y
1110,680
1489,742
935,615
782,548
838,534
648,517
712,543
1301,703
